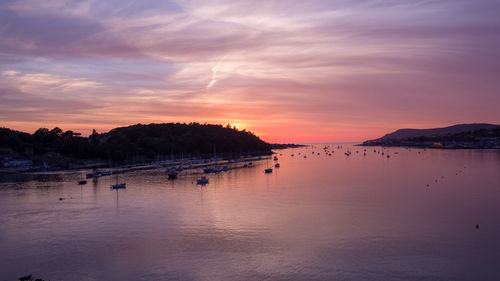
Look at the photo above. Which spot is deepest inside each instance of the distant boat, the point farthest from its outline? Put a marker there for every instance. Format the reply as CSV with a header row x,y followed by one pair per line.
x,y
118,186
99,173
245,165
268,170
172,174
203,180
82,182
277,165
275,158
103,173
250,164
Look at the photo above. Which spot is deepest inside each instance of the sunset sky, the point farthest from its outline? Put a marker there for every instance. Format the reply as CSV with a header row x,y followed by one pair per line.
x,y
291,71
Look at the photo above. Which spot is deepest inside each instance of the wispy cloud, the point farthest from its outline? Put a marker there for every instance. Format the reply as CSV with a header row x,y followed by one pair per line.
x,y
289,68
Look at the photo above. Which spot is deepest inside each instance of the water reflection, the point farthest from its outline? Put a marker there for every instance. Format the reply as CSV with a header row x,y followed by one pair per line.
x,y
317,218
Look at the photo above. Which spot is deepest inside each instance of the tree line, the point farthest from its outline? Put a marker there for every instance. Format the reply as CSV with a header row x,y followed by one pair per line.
x,y
146,141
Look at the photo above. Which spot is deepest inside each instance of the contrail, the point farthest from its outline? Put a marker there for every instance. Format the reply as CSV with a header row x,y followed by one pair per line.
x,y
214,73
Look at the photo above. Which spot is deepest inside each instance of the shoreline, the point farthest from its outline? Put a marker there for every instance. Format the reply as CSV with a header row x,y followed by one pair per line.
x,y
431,146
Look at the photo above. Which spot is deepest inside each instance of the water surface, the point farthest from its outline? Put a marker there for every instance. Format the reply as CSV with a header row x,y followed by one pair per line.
x,y
357,217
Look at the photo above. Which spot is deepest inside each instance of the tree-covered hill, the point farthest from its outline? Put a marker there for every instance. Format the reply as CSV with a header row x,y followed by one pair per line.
x,y
175,138
145,142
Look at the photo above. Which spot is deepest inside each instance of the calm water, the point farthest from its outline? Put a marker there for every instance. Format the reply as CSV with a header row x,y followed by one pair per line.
x,y
315,218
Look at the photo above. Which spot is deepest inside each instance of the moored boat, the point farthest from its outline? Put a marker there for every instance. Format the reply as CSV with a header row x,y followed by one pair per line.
x,y
172,174
118,186
203,180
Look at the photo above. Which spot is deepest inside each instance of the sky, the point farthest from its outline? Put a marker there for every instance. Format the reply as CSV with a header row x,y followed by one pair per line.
x,y
290,71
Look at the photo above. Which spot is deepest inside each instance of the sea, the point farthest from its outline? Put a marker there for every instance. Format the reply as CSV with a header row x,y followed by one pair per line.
x,y
329,212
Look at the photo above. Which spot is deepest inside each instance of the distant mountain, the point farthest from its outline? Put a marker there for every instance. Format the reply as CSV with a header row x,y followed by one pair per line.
x,y
437,132
477,135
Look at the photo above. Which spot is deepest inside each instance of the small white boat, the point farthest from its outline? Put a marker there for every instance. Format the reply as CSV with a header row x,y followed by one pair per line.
x,y
118,186
275,158
268,170
277,165
202,180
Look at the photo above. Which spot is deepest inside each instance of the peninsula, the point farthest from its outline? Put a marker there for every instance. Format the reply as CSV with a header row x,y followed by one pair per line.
x,y
461,136
57,149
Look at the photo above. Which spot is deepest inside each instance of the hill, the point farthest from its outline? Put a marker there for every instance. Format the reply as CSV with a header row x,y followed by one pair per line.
x,y
478,135
136,143
437,132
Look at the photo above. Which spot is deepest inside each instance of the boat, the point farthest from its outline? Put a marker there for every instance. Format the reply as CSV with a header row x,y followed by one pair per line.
x,y
245,165
118,186
268,170
203,180
250,163
277,165
102,173
225,168
275,158
172,174
82,182
99,173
